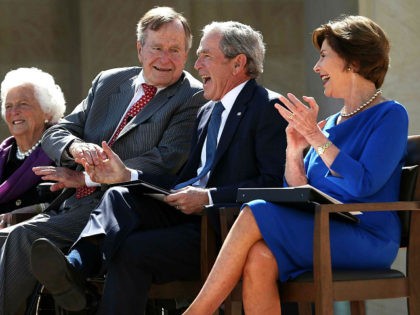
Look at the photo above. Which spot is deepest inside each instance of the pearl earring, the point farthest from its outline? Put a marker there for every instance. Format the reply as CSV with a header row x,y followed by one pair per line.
x,y
348,69
46,121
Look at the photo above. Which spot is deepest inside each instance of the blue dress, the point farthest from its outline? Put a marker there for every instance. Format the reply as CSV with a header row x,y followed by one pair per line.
x,y
372,150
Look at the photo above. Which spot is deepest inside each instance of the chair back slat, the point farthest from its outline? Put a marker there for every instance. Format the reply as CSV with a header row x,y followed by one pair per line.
x,y
410,184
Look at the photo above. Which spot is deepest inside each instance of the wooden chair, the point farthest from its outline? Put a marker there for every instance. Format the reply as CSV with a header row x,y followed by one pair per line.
x,y
325,285
181,292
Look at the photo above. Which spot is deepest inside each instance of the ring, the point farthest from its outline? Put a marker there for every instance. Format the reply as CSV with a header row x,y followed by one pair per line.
x,y
291,115
177,206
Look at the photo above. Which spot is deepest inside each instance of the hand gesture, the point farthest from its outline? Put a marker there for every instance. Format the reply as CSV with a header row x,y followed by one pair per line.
x,y
89,152
62,176
302,118
106,171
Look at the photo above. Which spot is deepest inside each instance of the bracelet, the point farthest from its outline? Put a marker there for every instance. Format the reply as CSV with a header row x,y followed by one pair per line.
x,y
321,149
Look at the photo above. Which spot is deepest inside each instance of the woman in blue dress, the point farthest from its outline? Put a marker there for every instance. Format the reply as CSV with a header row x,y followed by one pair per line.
x,y
355,155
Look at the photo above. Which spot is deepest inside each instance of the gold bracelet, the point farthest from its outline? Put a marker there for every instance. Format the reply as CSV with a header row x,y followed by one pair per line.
x,y
321,149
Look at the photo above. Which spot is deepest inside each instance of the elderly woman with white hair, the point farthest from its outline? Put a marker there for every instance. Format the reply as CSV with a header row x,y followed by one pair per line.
x,y
31,101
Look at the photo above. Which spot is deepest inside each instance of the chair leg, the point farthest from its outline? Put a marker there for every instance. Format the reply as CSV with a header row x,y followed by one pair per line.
x,y
304,308
232,307
413,304
357,308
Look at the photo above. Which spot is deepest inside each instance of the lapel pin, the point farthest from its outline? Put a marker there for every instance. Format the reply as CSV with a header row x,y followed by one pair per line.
x,y
238,114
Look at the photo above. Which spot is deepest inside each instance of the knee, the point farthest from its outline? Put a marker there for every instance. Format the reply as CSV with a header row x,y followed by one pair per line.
x,y
260,262
115,192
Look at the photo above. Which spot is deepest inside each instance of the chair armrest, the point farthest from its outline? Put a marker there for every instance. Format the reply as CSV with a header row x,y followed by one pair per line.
x,y
25,213
322,251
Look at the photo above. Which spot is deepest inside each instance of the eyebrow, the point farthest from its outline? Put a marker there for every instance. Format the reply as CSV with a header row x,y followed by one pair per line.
x,y
202,51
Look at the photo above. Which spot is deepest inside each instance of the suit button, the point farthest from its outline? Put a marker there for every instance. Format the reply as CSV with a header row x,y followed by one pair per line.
x,y
18,202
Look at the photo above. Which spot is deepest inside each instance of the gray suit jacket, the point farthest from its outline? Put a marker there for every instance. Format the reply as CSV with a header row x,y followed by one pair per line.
x,y
156,141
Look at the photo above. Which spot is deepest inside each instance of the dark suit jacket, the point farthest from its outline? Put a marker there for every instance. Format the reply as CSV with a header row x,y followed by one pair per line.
x,y
251,150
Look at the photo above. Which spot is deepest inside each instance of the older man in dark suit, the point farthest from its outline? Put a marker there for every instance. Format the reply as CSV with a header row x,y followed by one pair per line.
x,y
145,114
239,142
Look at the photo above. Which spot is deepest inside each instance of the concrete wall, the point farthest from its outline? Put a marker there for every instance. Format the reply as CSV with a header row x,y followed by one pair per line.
x,y
75,39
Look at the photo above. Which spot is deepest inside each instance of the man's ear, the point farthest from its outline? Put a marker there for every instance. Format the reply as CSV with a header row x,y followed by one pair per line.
x,y
239,63
139,51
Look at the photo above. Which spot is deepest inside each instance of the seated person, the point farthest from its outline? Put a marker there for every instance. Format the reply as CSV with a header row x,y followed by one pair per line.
x,y
145,114
30,103
238,138
356,155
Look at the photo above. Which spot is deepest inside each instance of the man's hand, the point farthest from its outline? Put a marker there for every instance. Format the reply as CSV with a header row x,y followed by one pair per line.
x,y
189,200
107,171
63,176
90,152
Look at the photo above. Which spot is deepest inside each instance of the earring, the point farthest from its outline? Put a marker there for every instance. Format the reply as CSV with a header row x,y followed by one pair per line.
x,y
46,121
348,68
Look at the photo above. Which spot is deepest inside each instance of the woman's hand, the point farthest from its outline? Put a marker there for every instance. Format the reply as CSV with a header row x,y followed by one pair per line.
x,y
62,176
302,118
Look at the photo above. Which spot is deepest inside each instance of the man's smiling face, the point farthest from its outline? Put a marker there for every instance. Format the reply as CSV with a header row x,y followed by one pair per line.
x,y
164,54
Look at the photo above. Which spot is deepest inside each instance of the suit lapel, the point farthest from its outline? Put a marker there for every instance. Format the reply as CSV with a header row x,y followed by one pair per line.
x,y
235,116
118,103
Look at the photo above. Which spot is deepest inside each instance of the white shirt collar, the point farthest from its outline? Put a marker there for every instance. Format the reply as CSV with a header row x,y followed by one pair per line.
x,y
140,80
230,97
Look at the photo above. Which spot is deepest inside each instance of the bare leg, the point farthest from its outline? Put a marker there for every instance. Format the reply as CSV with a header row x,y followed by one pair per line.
x,y
259,282
227,269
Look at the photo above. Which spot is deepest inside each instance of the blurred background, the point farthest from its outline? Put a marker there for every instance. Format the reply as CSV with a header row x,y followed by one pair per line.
x,y
75,39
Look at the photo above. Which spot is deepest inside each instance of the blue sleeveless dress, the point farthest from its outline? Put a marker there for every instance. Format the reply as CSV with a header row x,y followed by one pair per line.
x,y
372,149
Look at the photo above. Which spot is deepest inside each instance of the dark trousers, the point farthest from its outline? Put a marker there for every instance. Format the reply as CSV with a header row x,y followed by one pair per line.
x,y
145,241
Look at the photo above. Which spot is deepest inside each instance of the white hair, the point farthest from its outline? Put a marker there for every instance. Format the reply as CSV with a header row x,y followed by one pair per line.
x,y
49,95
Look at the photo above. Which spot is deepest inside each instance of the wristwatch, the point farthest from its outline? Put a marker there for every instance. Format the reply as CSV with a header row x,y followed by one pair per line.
x,y
321,149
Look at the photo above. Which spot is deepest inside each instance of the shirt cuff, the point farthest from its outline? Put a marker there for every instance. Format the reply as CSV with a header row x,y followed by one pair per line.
x,y
134,175
89,182
210,198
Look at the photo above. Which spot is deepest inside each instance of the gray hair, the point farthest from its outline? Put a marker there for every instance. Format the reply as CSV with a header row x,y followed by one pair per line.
x,y
48,94
238,38
158,16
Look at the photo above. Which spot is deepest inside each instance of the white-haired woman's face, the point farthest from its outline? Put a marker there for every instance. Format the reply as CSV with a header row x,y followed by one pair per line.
x,y
24,116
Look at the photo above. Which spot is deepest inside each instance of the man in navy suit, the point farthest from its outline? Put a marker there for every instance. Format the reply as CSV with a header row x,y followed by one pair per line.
x,y
145,240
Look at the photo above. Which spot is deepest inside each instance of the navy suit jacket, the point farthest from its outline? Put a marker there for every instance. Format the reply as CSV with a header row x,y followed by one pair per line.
x,y
251,149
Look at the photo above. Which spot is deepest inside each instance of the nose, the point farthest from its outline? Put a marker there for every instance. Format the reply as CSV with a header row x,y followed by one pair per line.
x,y
197,64
316,67
164,56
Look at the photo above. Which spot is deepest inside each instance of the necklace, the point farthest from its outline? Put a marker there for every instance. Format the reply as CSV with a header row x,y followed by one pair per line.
x,y
358,109
22,155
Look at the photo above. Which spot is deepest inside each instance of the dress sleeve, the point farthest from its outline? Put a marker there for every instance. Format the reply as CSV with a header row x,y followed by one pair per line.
x,y
380,155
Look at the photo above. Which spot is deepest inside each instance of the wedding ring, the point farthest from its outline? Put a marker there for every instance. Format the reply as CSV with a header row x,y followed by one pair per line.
x,y
291,116
177,206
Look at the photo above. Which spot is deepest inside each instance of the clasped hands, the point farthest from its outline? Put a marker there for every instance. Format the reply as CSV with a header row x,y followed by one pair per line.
x,y
104,166
100,163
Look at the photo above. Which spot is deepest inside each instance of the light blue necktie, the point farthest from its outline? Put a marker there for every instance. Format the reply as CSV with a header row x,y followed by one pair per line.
x,y
212,132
